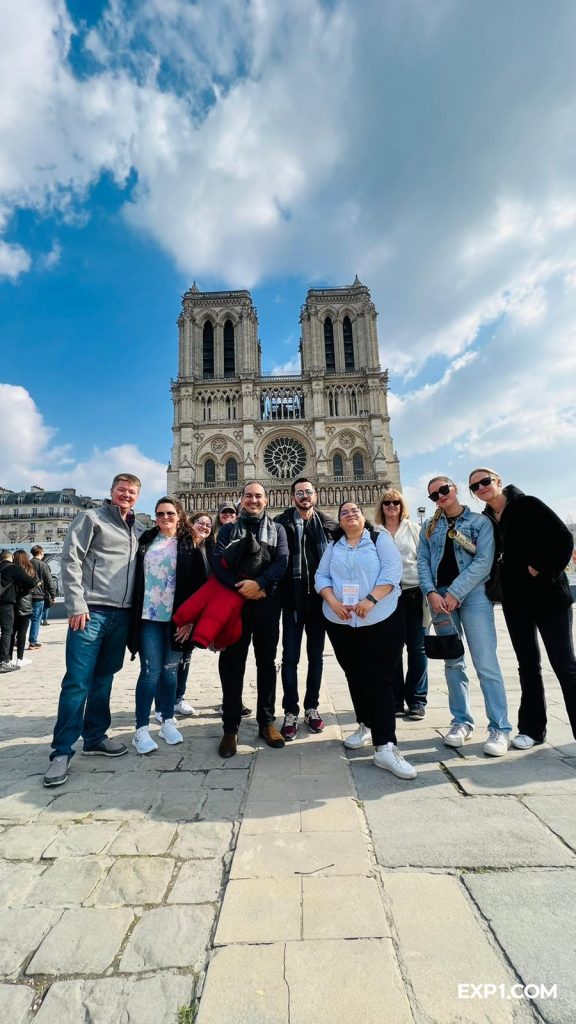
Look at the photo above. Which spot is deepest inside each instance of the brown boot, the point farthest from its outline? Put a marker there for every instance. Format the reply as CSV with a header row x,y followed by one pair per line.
x,y
271,735
228,744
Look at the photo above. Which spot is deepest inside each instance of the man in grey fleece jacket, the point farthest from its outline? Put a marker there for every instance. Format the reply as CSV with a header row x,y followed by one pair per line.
x,y
98,564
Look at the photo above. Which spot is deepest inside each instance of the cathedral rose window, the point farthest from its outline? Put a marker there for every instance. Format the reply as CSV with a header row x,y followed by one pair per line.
x,y
284,457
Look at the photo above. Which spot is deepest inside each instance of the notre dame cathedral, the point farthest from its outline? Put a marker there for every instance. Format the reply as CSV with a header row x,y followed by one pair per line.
x,y
233,423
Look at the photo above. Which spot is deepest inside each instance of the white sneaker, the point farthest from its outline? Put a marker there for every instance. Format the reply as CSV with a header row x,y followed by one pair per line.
x,y
158,717
184,708
361,738
143,741
23,661
523,742
170,733
458,734
389,757
497,743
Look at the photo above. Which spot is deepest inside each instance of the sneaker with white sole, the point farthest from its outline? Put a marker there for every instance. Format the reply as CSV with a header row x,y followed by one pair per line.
x,y
361,738
158,717
23,661
143,741
313,720
497,743
389,757
182,707
457,735
170,733
290,726
523,742
57,772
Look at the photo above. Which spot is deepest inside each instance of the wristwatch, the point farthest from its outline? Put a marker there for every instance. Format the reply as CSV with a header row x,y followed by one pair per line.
x,y
370,597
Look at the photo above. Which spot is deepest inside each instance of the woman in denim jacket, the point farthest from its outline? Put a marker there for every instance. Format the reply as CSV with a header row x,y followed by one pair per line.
x,y
454,560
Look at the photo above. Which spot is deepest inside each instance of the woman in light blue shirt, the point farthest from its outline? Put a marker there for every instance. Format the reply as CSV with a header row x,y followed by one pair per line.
x,y
359,579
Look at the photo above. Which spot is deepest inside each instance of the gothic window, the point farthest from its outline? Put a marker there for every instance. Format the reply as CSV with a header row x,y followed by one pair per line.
x,y
348,344
329,350
284,458
358,465
338,466
231,471
209,471
208,350
229,361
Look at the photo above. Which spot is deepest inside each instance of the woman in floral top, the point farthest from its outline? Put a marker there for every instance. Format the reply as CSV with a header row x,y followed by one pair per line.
x,y
167,572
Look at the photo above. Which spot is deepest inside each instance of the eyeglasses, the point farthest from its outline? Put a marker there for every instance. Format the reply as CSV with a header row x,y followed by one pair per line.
x,y
169,515
303,494
392,501
484,482
202,522
441,492
350,512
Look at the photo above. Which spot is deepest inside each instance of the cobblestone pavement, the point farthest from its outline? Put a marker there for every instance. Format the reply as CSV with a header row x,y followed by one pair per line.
x,y
283,887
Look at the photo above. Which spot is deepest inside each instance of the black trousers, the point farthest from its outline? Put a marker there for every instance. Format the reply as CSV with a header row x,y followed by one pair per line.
x,y
19,631
6,627
368,656
555,628
261,626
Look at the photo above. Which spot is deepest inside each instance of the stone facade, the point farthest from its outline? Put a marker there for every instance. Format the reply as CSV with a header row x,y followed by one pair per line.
x,y
233,423
38,516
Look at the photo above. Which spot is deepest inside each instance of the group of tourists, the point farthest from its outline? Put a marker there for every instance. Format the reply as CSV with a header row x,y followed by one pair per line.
x,y
373,589
27,590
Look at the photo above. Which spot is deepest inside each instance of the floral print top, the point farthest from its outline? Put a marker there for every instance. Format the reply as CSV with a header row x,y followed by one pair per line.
x,y
159,579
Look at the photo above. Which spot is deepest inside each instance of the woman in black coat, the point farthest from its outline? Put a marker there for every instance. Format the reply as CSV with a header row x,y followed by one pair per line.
x,y
169,568
534,548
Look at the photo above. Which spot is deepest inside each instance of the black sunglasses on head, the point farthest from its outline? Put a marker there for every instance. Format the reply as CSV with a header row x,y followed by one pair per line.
x,y
484,482
440,493
391,501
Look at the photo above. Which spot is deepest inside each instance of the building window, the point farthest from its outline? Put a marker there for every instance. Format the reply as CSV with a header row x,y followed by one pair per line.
x,y
208,350
284,458
329,350
231,471
338,466
348,344
358,465
229,361
209,471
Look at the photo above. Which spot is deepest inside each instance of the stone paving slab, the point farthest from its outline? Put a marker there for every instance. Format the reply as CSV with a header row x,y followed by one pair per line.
x,y
21,932
261,910
532,914
202,839
26,842
68,882
117,1000
15,1002
82,942
531,771
81,840
168,937
16,880
143,838
261,997
197,881
558,813
443,945
266,816
134,880
353,981
322,853
342,908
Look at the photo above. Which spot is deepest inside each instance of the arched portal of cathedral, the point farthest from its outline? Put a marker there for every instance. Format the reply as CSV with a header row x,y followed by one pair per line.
x,y
233,423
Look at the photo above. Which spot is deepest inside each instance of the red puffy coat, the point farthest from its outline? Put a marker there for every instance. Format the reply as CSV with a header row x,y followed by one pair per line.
x,y
216,612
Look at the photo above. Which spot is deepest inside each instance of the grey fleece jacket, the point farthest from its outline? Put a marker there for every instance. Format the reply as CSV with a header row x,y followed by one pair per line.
x,y
99,559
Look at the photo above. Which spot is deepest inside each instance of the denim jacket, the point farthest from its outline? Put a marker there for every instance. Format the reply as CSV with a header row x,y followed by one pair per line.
x,y
474,569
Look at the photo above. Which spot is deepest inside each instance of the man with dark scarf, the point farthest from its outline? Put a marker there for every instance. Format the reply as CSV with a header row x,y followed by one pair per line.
x,y
260,618
309,532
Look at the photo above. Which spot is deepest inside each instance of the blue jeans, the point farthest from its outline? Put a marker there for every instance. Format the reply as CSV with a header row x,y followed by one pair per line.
x,y
181,680
93,655
314,623
475,617
412,688
37,616
158,671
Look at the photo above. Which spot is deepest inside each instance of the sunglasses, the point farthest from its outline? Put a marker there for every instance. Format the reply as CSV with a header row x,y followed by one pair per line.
x,y
484,482
169,515
441,492
392,501
202,522
303,494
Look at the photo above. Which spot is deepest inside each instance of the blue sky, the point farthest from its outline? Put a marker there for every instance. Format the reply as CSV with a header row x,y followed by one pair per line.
x,y
428,146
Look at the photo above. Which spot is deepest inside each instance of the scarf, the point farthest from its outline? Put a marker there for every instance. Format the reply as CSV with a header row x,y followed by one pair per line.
x,y
266,533
318,539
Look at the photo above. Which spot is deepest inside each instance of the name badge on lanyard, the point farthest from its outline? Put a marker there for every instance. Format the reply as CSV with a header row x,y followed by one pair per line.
x,y
350,594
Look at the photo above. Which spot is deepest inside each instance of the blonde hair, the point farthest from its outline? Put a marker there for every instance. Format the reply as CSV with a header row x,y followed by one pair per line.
x,y
391,492
433,522
483,469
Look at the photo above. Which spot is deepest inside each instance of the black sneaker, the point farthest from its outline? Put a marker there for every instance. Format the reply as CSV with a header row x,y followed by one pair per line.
x,y
418,711
107,748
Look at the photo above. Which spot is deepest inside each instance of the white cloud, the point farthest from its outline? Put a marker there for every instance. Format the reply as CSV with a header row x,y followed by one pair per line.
x,y
33,458
14,260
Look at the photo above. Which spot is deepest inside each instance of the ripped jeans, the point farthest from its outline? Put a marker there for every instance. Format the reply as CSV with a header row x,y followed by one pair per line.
x,y
158,671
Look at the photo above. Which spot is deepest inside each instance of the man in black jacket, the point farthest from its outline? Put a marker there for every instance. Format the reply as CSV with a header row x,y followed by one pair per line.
x,y
45,588
308,532
12,580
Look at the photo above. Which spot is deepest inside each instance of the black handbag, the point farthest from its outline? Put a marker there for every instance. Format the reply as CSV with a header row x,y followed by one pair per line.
x,y
445,646
494,583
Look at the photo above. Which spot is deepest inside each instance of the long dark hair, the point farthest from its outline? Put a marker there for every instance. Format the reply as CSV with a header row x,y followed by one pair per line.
x,y
194,519
183,529
21,558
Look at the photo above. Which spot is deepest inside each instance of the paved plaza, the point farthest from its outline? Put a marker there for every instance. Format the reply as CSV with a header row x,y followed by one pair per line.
x,y
299,886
